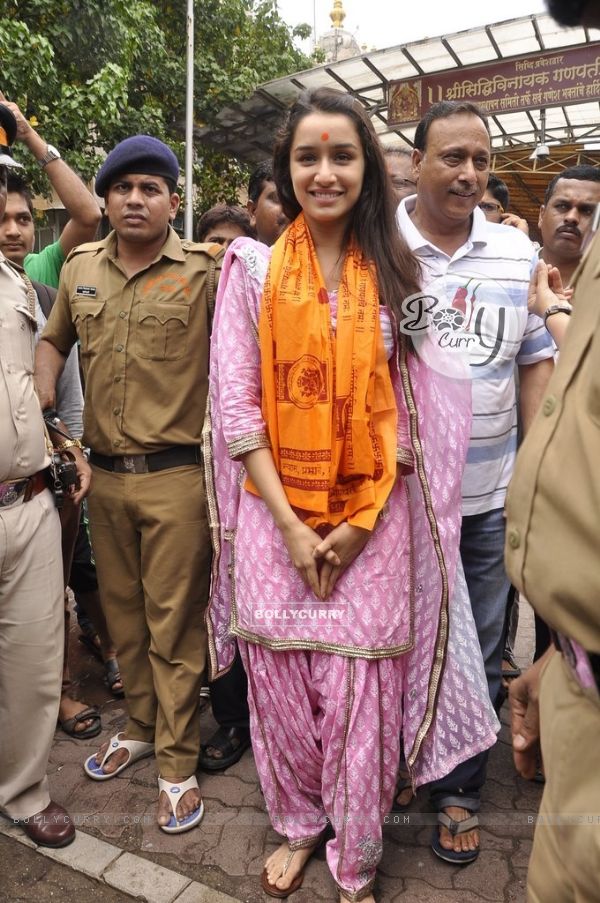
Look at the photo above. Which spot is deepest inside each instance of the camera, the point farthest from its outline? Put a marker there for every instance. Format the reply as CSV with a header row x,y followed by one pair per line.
x,y
64,477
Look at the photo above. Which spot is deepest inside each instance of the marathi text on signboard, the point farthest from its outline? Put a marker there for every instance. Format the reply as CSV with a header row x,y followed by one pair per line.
x,y
546,79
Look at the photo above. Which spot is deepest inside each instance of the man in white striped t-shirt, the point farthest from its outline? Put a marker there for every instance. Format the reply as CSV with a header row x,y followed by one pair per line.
x,y
476,276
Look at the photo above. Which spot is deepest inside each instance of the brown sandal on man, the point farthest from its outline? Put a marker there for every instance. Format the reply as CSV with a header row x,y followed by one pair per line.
x,y
113,679
69,725
404,786
230,744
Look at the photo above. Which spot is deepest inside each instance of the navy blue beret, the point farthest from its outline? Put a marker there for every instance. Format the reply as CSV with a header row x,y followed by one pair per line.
x,y
141,154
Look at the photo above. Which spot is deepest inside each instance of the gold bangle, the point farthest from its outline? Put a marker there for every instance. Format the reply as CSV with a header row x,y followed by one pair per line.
x,y
69,443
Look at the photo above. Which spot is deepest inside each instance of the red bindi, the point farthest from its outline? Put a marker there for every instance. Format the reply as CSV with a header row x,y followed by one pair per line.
x,y
325,136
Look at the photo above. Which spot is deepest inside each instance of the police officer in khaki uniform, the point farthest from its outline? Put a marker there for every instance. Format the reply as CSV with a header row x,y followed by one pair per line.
x,y
138,302
553,557
31,584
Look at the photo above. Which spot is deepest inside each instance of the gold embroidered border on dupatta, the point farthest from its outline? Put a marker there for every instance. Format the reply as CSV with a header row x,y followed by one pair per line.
x,y
214,527
439,658
349,693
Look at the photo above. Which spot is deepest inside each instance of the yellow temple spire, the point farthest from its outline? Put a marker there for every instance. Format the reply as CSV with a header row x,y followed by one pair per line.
x,y
337,14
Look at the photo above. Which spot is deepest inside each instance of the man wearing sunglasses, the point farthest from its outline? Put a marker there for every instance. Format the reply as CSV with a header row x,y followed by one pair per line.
x,y
495,203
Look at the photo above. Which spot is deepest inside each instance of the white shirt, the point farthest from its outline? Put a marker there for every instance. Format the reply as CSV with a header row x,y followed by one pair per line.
x,y
22,444
480,299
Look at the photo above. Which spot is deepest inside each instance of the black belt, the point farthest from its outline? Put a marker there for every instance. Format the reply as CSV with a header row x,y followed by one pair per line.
x,y
176,456
23,490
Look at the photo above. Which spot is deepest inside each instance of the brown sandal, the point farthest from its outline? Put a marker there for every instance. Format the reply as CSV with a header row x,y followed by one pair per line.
x,y
92,713
112,677
281,893
272,890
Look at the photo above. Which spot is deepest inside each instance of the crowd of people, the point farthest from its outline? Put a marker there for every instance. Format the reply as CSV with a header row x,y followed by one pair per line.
x,y
278,456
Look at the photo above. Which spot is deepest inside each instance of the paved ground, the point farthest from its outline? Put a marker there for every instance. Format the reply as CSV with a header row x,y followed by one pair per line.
x,y
120,845
27,876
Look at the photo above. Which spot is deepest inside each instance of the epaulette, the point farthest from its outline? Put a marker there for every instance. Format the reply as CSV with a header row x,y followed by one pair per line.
x,y
207,247
213,265
87,248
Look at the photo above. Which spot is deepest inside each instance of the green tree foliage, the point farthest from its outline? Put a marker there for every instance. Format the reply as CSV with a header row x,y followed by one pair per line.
x,y
92,72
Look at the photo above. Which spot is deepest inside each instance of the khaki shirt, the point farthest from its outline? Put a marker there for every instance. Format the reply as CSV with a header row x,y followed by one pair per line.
x,y
22,442
553,505
144,343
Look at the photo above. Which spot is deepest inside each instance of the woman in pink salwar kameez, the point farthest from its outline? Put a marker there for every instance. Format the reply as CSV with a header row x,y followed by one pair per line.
x,y
334,459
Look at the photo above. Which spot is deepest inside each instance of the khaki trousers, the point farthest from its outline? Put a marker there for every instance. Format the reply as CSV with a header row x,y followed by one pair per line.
x,y
152,549
31,651
565,861
69,522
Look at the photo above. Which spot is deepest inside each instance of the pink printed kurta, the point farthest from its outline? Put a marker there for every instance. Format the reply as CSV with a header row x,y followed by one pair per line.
x,y
403,599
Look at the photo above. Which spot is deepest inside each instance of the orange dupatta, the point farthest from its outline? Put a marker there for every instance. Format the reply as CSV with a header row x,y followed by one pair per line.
x,y
327,399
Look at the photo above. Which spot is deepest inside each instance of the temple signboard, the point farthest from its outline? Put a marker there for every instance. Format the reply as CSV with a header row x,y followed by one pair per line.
x,y
508,86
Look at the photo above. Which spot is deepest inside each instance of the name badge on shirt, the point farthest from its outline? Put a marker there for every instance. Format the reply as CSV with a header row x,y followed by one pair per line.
x,y
89,291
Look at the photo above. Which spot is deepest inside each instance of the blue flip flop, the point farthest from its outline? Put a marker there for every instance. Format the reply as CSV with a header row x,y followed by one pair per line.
x,y
464,857
136,749
174,793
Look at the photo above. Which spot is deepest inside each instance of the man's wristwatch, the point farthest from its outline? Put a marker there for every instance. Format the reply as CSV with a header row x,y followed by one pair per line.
x,y
51,154
557,309
69,443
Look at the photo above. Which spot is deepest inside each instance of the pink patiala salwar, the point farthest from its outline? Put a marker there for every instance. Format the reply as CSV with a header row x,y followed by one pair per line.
x,y
325,736
393,649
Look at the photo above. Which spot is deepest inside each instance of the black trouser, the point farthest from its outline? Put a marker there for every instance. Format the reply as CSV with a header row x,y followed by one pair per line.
x,y
82,578
542,637
229,696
